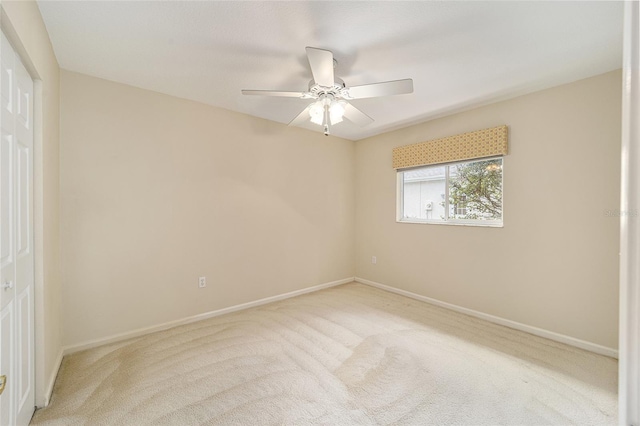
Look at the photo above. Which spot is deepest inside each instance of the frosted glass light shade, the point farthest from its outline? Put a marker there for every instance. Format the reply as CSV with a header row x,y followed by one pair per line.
x,y
316,112
336,111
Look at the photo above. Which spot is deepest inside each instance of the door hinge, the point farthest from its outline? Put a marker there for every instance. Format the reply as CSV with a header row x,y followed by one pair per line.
x,y
3,382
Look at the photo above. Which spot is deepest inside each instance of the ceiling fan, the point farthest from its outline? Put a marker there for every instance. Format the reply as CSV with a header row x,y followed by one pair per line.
x,y
331,95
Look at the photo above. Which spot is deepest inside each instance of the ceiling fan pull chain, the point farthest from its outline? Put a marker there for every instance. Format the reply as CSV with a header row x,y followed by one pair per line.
x,y
326,119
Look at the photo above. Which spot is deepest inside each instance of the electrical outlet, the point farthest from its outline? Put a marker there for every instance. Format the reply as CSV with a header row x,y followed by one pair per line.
x,y
374,260
202,282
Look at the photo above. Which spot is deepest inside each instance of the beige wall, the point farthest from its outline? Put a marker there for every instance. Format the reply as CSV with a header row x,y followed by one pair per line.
x,y
157,191
23,25
554,265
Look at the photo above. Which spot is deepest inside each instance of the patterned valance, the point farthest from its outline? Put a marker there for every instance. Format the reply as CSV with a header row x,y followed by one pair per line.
x,y
466,146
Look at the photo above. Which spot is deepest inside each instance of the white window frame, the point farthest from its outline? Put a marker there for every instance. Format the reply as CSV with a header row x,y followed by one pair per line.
x,y
447,220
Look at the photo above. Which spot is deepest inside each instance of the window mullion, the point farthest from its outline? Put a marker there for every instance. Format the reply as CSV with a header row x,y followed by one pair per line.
x,y
446,193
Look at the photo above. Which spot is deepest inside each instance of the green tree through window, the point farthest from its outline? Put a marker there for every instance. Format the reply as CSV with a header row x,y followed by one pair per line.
x,y
477,186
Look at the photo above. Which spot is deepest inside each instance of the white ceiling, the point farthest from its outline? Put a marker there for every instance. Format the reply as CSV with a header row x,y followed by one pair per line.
x,y
459,54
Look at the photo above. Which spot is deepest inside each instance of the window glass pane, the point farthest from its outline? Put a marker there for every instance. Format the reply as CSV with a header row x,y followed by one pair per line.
x,y
475,190
423,191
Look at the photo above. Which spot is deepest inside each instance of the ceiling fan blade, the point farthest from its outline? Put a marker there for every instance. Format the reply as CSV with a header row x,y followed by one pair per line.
x,y
321,62
275,93
387,88
301,118
356,116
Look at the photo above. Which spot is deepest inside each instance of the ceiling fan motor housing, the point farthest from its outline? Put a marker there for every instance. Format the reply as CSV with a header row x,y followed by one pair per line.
x,y
338,90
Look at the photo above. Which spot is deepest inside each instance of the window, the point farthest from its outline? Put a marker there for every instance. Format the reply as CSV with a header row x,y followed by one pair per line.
x,y
468,193
460,207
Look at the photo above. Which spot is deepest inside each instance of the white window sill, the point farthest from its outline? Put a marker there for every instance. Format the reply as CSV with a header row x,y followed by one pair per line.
x,y
454,223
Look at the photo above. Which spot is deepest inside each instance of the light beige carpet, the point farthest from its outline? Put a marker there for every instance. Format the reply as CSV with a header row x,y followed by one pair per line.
x,y
349,355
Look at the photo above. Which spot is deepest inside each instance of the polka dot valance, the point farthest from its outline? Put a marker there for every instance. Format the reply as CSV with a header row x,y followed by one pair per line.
x,y
466,146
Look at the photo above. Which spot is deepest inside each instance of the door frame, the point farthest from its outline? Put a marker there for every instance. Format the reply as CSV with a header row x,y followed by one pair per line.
x,y
629,346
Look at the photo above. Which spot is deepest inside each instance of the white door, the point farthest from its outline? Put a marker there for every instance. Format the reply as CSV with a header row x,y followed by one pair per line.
x,y
17,401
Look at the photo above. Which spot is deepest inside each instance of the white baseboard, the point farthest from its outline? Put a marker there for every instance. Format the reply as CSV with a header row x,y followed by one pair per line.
x,y
52,380
582,344
146,330
599,349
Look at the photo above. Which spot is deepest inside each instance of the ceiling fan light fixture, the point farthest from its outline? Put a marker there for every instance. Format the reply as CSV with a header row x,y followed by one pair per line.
x,y
327,109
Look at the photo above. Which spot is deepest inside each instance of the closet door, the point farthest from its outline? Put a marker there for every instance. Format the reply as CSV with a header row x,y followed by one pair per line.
x,y
17,401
